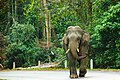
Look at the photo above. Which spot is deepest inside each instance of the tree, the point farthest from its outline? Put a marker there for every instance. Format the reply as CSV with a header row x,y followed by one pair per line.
x,y
107,38
2,48
50,19
47,21
21,44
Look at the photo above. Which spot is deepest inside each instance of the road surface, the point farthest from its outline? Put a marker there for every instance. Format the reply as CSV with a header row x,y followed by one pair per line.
x,y
57,75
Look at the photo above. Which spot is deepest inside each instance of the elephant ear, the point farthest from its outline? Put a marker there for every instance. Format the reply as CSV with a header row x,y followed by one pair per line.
x,y
65,39
85,38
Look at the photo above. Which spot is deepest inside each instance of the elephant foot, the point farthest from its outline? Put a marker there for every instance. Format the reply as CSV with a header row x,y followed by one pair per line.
x,y
82,73
72,76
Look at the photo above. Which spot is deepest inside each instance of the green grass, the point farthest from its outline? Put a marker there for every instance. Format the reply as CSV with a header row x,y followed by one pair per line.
x,y
47,69
60,69
113,70
43,69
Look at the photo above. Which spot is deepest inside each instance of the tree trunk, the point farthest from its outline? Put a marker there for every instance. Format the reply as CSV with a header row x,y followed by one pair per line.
x,y
16,19
47,23
90,12
49,33
54,36
8,15
13,10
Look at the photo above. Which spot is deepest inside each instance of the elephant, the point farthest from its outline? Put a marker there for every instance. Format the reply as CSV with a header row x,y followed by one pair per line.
x,y
75,44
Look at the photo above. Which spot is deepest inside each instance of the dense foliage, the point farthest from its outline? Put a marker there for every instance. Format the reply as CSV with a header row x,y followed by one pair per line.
x,y
21,44
22,22
107,38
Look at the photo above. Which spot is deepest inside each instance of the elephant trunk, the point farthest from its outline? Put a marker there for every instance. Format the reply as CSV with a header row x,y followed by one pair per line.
x,y
73,48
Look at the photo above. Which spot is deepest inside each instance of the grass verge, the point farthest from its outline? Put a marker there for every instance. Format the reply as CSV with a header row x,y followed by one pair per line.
x,y
59,69
112,70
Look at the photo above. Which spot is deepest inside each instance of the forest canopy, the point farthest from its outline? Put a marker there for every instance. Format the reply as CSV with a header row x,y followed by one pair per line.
x,y
32,30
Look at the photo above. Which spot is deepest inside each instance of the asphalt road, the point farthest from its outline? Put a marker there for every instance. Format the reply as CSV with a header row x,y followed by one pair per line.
x,y
57,75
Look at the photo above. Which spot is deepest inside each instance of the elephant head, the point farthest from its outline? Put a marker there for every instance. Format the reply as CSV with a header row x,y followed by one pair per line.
x,y
73,39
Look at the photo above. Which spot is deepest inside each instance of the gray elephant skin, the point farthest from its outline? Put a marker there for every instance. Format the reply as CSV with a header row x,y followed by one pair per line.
x,y
75,44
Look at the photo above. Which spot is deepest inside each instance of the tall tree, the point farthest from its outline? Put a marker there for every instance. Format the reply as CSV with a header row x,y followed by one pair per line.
x,y
47,21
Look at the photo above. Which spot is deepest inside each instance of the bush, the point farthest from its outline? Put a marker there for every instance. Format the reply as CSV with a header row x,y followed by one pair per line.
x,y
106,40
21,45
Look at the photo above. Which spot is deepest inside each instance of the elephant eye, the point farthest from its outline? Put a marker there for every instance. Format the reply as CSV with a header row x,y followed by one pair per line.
x,y
78,38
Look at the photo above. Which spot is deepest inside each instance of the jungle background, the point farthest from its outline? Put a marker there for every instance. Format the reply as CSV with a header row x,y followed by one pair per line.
x,y
32,30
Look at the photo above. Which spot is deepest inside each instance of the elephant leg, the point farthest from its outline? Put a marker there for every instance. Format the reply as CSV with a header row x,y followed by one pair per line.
x,y
72,66
83,62
82,70
73,71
